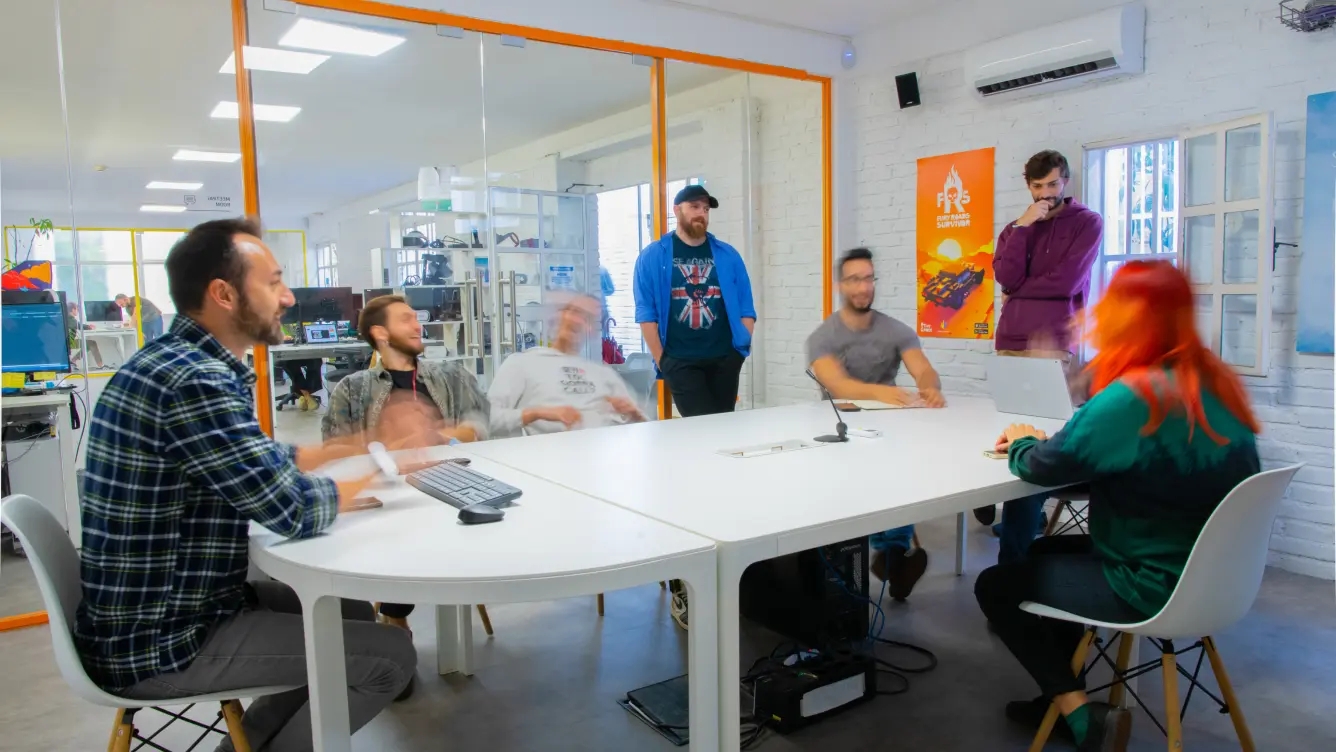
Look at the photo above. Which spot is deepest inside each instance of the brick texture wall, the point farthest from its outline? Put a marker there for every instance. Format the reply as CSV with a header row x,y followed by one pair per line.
x,y
1205,63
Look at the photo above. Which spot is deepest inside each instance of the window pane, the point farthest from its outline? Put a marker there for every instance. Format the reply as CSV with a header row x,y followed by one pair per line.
x,y
1143,180
1168,235
1201,170
94,246
1240,264
1243,156
1168,176
1201,313
1238,330
1199,244
1143,236
154,246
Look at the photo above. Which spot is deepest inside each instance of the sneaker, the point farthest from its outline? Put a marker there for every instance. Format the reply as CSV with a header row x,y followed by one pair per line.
x,y
1029,714
986,515
900,569
678,606
1110,729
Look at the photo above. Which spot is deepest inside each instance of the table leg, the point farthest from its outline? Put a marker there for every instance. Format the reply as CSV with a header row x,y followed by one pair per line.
x,y
731,567
327,674
454,640
962,541
703,663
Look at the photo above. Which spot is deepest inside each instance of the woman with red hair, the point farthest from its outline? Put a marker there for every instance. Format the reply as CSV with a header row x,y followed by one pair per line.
x,y
1167,434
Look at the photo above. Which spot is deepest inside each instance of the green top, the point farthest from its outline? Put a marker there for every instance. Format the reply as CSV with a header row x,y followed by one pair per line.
x,y
1151,495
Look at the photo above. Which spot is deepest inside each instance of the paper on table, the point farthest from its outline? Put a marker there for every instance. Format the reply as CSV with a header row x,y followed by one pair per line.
x,y
876,405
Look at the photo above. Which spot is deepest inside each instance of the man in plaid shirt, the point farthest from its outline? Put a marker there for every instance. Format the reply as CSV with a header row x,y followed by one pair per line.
x,y
177,467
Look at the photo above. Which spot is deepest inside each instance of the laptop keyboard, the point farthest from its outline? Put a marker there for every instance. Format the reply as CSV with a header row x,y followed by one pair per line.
x,y
459,486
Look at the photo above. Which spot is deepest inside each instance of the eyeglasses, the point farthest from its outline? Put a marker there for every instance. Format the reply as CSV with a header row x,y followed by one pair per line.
x,y
867,280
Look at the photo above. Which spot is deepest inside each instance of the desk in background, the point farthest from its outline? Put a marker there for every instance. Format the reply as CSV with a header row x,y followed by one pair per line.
x,y
43,467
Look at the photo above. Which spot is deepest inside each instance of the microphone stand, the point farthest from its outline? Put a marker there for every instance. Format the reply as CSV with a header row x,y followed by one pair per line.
x,y
841,434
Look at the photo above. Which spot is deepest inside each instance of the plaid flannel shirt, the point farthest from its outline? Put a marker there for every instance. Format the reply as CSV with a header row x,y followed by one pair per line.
x,y
176,467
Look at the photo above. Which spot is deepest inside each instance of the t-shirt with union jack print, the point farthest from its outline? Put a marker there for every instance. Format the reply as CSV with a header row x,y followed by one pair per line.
x,y
698,323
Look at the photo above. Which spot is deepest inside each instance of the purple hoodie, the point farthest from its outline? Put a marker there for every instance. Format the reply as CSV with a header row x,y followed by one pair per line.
x,y
1044,270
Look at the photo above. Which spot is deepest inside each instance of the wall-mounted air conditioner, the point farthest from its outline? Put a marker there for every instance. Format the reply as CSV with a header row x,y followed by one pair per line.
x,y
1109,43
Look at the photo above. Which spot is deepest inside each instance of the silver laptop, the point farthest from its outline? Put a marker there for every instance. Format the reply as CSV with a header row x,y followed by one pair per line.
x,y
1036,387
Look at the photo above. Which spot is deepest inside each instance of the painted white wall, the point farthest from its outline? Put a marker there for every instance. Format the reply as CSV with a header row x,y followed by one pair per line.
x,y
1205,63
650,23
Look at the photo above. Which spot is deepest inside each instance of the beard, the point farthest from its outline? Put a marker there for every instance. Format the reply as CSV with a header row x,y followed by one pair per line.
x,y
695,229
256,327
863,308
405,346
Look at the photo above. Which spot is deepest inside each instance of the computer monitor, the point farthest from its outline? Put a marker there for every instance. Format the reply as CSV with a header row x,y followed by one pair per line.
x,y
376,292
442,302
101,311
35,337
315,304
320,333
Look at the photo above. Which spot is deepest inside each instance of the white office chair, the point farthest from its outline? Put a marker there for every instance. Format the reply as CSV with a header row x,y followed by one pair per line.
x,y
55,563
1218,587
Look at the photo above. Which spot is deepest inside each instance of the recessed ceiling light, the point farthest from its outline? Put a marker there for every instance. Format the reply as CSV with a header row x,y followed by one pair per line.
x,y
272,113
167,185
165,208
279,61
327,37
190,155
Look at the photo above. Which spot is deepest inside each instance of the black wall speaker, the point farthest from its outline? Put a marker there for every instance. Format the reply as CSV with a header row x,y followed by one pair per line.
x,y
906,87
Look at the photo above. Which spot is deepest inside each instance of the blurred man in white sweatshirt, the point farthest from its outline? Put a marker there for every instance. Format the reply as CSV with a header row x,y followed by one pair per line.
x,y
550,389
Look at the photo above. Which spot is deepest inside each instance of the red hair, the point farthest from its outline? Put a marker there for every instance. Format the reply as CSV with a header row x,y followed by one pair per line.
x,y
1143,329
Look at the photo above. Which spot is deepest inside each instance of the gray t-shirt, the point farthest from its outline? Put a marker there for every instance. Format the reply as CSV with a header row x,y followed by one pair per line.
x,y
871,355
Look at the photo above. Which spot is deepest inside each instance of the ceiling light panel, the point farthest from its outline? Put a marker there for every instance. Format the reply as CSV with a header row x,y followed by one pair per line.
x,y
279,61
309,34
162,208
271,113
190,155
167,185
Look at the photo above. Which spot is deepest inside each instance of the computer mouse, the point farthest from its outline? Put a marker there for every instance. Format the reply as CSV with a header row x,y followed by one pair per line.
x,y
477,514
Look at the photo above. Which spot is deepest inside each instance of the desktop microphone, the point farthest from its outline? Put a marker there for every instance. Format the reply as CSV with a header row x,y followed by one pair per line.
x,y
841,429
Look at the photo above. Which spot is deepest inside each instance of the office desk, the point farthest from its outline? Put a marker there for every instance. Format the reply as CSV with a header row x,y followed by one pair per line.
x,y
280,353
556,543
66,508
125,340
929,463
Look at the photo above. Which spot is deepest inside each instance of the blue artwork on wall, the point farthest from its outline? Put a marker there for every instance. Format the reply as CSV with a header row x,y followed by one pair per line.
x,y
1317,265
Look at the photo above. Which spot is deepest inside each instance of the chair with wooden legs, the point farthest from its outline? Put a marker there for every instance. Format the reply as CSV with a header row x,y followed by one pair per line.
x,y
55,564
487,620
1218,587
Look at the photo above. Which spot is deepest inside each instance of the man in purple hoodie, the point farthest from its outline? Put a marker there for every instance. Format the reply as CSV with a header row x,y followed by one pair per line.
x,y
1043,262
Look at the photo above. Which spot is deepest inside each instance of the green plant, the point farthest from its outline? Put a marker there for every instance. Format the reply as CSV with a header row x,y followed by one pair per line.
x,y
41,228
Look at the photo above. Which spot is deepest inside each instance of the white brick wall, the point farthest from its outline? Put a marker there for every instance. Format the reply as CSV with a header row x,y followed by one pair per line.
x,y
1205,63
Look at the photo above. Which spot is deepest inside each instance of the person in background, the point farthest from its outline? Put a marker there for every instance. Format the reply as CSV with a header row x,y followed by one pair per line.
x,y
1042,262
404,401
551,389
177,465
305,380
73,325
695,310
1166,436
856,354
149,315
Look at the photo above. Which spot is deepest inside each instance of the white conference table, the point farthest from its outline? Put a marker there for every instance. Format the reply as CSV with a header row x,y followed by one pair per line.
x,y
556,543
928,464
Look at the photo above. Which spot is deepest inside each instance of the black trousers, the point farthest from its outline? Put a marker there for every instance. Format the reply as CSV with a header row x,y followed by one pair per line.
x,y
1062,572
396,610
304,375
703,387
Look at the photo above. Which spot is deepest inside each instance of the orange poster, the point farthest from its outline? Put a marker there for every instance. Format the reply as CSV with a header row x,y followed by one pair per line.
x,y
955,245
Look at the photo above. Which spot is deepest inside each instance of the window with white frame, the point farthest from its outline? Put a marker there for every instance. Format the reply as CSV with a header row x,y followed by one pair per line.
x,y
327,265
1202,201
407,261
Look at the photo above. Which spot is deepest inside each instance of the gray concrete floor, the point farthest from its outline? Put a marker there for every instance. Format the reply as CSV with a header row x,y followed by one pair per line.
x,y
550,677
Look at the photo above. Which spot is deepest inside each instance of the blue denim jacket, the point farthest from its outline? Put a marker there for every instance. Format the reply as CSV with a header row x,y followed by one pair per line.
x,y
654,283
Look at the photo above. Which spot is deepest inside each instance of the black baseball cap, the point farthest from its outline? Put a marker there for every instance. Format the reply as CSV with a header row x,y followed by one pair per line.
x,y
693,192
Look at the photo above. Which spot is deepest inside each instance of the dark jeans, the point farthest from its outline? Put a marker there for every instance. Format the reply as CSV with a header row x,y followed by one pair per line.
x,y
1021,521
264,645
304,375
703,387
396,610
1062,572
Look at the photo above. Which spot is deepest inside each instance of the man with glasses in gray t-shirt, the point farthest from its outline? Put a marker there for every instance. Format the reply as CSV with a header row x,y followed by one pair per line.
x,y
856,354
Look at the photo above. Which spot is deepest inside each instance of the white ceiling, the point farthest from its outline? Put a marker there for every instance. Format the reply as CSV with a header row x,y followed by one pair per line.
x,y
842,17
142,77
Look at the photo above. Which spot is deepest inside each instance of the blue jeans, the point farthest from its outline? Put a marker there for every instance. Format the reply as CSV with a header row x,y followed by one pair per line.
x,y
1021,521
152,330
900,537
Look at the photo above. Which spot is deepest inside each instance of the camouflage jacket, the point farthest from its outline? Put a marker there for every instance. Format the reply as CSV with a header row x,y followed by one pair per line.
x,y
356,402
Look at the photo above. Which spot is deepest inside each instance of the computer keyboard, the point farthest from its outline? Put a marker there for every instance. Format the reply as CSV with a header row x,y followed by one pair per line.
x,y
459,486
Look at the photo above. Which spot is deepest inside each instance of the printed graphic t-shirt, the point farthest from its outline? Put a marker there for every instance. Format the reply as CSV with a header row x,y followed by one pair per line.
x,y
697,324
